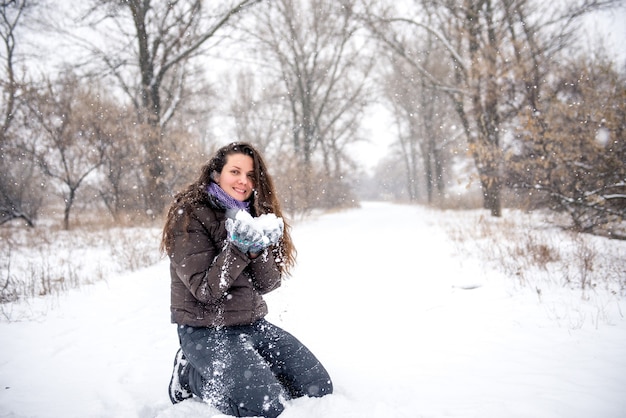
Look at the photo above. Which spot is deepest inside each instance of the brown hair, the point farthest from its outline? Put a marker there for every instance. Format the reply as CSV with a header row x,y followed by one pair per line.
x,y
264,199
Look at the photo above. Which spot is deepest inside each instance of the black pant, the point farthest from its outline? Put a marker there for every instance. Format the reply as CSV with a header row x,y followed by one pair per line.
x,y
249,370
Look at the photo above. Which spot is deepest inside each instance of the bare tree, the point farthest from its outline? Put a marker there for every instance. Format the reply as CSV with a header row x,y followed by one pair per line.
x,y
72,135
405,119
421,117
572,157
150,62
10,14
16,168
119,175
253,110
314,51
485,42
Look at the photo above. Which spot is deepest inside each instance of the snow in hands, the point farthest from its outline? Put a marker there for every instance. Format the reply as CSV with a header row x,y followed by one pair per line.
x,y
268,227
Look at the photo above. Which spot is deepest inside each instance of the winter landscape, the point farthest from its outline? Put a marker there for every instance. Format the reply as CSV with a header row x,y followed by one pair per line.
x,y
415,313
108,108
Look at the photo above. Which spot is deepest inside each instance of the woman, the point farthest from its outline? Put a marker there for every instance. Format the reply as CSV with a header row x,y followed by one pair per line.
x,y
221,264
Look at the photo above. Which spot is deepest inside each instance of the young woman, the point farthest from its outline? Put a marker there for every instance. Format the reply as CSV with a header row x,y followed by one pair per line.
x,y
220,266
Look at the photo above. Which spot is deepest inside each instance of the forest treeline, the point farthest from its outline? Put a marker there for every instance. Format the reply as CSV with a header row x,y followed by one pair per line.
x,y
498,94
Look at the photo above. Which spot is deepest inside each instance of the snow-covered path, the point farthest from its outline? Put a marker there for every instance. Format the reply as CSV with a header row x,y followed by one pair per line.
x,y
406,328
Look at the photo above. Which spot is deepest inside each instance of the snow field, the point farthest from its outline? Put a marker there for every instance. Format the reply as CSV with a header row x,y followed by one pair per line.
x,y
406,325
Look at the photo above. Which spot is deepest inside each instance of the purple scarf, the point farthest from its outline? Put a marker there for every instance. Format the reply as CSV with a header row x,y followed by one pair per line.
x,y
225,200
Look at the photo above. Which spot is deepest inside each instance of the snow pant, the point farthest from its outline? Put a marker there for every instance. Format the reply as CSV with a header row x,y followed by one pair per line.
x,y
249,370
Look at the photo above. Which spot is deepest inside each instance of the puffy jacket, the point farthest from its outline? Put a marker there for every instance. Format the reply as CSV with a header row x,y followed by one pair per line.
x,y
213,282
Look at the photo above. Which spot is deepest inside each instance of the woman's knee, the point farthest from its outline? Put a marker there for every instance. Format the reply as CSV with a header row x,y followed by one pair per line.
x,y
315,383
240,397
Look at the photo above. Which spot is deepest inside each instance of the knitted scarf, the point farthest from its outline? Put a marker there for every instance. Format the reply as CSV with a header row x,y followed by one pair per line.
x,y
225,200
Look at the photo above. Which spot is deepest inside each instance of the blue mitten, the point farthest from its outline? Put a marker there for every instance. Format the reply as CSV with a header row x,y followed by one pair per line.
x,y
275,232
259,246
244,236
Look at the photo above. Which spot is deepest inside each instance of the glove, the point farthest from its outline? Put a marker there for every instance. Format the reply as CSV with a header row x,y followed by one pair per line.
x,y
258,247
273,235
245,237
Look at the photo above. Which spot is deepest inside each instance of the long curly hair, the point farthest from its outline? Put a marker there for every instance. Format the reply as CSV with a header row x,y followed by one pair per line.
x,y
264,199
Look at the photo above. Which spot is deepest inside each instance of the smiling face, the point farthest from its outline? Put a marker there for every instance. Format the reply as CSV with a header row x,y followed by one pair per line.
x,y
236,178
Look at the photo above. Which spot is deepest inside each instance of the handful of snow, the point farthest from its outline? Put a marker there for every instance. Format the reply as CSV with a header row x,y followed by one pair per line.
x,y
268,225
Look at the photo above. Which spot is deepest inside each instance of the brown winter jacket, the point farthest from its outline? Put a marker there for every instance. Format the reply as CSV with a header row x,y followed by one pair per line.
x,y
213,282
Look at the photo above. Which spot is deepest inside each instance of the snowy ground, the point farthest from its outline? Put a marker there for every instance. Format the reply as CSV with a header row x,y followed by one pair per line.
x,y
406,323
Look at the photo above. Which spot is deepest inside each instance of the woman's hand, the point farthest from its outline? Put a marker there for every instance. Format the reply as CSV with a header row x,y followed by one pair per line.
x,y
245,237
253,235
